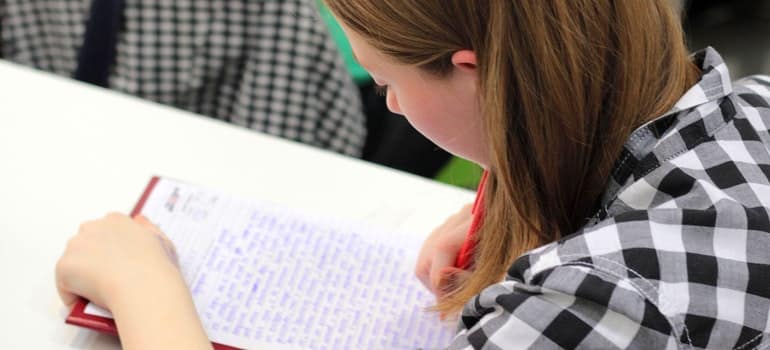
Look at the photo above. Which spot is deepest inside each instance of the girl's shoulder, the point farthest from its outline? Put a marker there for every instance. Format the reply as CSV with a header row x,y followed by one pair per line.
x,y
677,254
685,236
755,92
641,279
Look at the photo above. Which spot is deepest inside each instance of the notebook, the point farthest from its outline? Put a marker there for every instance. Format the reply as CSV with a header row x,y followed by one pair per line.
x,y
263,275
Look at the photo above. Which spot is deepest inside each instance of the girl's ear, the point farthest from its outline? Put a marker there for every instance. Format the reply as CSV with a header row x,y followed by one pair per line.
x,y
464,60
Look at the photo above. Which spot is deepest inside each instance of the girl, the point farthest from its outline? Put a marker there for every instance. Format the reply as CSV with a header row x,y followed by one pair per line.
x,y
626,202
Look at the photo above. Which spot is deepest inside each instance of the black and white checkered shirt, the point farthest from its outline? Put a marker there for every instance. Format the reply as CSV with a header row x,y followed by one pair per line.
x,y
264,64
679,256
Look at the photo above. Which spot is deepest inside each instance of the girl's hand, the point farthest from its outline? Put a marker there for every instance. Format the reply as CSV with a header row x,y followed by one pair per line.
x,y
129,267
112,256
435,264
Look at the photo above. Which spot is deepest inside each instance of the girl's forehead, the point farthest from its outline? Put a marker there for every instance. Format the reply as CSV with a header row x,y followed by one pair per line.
x,y
365,53
358,45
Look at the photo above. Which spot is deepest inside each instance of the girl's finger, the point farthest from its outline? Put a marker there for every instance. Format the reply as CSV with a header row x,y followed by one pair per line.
x,y
142,220
441,260
168,246
67,297
423,272
450,276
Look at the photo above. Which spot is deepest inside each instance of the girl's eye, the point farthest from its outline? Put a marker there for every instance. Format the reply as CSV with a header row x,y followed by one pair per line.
x,y
381,90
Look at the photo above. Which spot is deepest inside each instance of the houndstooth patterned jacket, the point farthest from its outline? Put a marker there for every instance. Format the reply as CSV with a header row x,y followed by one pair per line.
x,y
679,254
266,65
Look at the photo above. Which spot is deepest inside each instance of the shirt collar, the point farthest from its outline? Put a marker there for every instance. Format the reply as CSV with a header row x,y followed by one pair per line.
x,y
714,84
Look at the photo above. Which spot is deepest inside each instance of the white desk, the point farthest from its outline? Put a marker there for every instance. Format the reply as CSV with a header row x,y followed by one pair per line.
x,y
71,152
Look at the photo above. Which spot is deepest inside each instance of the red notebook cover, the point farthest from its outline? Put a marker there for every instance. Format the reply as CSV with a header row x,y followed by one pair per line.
x,y
78,317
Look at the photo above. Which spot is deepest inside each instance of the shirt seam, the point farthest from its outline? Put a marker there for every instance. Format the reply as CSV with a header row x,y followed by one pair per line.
x,y
638,288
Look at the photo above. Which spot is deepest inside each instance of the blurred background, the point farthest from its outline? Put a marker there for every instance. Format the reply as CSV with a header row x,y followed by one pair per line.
x,y
49,35
738,29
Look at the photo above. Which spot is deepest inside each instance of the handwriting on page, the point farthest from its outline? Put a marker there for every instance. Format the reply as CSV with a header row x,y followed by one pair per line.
x,y
267,274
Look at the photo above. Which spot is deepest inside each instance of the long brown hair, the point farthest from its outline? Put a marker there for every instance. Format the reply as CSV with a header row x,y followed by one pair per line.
x,y
562,83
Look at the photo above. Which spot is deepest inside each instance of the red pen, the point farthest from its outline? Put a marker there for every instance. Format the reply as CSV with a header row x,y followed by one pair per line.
x,y
465,255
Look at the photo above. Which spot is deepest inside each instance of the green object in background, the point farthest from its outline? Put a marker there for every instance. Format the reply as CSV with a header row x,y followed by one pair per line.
x,y
359,74
460,172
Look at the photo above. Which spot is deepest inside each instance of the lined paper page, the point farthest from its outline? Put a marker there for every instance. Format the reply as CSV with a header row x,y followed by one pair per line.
x,y
264,274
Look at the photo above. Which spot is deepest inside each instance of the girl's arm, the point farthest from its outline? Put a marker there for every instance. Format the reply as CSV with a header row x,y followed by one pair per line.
x,y
129,267
159,315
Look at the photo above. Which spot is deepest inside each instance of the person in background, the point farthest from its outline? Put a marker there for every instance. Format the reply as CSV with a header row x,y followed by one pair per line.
x,y
266,65
626,197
